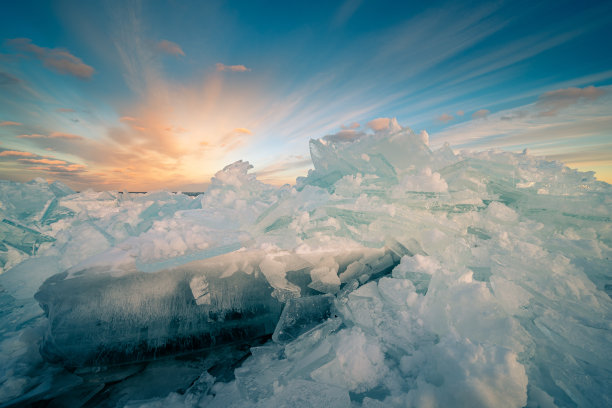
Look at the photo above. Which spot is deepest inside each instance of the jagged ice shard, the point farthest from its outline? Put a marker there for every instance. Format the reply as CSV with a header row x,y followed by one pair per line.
x,y
391,275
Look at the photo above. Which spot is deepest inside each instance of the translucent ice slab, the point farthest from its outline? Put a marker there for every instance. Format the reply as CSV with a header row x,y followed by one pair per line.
x,y
101,316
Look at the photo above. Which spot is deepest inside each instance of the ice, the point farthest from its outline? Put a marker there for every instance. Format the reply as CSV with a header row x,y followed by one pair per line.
x,y
301,314
99,316
26,210
392,275
103,318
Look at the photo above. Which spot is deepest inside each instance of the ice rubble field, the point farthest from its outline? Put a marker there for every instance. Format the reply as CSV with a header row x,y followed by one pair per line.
x,y
390,276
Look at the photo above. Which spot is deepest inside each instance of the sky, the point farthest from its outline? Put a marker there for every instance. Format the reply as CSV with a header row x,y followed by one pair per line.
x,y
145,95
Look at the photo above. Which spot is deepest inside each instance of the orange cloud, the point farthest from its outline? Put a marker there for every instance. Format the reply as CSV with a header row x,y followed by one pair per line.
x,y
56,59
74,167
9,153
42,161
65,110
10,123
170,48
378,124
59,135
233,68
127,119
243,131
32,136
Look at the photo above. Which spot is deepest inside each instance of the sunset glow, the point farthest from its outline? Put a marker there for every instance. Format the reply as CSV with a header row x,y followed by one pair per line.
x,y
130,95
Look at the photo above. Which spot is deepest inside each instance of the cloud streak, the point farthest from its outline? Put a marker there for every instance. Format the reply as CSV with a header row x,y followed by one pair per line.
x,y
52,135
231,68
480,114
170,48
345,12
16,153
56,59
554,101
445,118
42,161
8,79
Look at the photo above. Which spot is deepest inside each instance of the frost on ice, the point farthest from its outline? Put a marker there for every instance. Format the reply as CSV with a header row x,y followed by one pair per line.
x,y
391,275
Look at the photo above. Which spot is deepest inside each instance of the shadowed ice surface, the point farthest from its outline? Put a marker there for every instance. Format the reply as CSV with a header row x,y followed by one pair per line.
x,y
392,275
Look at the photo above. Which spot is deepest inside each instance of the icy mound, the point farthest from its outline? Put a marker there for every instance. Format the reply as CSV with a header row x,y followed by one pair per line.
x,y
392,275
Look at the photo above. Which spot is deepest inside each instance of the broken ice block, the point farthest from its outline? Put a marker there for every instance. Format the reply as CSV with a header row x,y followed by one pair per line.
x,y
104,314
21,237
301,315
96,318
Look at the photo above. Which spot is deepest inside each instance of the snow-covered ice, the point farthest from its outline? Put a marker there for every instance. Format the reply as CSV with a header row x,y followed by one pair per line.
x,y
391,275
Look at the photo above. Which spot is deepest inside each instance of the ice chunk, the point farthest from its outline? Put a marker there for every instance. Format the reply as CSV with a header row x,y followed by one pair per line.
x,y
21,237
300,315
275,271
97,318
385,154
325,276
256,378
425,180
305,394
358,365
26,203
465,374
199,304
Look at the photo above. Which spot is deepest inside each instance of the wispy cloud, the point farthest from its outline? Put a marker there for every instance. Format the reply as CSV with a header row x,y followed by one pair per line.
x,y
9,123
345,12
56,59
52,135
42,161
233,140
445,118
243,131
283,169
15,153
170,48
554,101
32,136
8,79
232,68
60,135
28,165
65,110
480,114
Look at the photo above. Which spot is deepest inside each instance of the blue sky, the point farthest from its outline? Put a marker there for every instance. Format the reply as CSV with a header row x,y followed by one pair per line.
x,y
162,94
